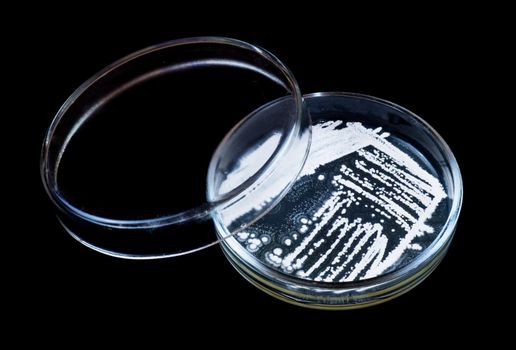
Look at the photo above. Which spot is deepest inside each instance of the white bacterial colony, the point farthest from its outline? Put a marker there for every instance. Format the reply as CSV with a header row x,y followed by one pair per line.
x,y
360,207
250,163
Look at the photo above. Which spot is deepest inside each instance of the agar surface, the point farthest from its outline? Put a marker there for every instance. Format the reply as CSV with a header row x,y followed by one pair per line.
x,y
361,207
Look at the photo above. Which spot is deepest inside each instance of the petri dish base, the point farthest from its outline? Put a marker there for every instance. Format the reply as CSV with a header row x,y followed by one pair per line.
x,y
371,214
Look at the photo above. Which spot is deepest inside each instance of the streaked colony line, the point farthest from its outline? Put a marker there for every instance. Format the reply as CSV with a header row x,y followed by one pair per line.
x,y
379,201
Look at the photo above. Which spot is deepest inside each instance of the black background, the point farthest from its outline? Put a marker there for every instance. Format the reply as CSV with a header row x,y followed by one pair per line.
x,y
421,65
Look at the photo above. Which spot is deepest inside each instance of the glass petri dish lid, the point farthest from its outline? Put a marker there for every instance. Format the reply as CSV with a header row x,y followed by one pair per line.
x,y
125,158
371,214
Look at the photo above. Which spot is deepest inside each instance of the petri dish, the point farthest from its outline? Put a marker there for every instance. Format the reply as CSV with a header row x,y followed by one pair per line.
x,y
371,214
331,200
125,159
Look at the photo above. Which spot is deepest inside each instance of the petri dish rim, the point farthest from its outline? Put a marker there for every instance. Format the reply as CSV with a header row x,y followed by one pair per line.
x,y
423,264
49,174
